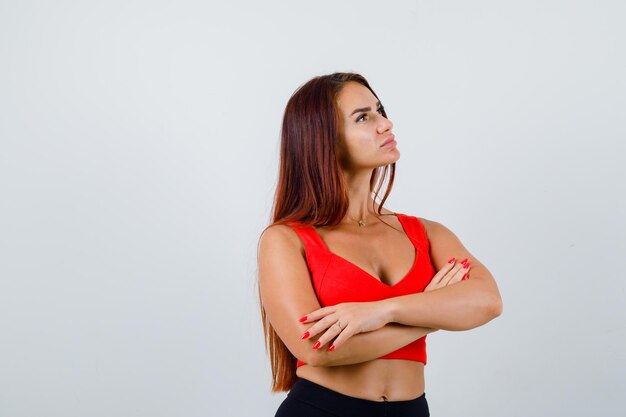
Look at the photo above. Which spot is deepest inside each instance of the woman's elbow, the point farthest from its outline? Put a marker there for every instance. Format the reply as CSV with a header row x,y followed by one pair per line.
x,y
496,307
489,310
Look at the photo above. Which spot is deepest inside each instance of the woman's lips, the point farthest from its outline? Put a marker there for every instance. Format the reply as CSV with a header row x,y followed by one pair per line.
x,y
390,142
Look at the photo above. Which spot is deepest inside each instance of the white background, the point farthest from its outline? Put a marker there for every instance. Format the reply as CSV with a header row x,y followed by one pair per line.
x,y
138,159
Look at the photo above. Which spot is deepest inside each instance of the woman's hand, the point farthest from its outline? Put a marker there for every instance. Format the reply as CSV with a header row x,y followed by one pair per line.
x,y
451,273
344,320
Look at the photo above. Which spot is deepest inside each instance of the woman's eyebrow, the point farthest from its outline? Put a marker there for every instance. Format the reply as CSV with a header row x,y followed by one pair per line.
x,y
365,108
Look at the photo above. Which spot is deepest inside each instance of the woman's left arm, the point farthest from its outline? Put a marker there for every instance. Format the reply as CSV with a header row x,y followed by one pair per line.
x,y
460,306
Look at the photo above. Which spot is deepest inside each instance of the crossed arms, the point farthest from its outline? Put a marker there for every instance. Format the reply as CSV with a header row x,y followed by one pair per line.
x,y
287,294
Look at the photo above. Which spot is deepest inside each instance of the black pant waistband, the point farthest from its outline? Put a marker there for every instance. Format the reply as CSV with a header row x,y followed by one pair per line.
x,y
342,404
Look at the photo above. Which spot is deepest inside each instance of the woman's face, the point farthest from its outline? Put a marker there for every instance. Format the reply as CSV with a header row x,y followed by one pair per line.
x,y
363,129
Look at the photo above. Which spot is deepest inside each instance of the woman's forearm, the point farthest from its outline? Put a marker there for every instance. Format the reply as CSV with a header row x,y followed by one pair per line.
x,y
462,306
364,347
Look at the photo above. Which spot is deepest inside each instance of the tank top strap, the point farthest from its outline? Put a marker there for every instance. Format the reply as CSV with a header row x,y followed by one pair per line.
x,y
415,229
308,235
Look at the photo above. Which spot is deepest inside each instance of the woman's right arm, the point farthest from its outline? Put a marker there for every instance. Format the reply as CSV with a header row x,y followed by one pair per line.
x,y
287,294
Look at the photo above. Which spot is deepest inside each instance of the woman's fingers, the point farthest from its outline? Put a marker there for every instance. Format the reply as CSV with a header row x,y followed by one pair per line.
x,y
449,277
446,280
317,314
343,336
458,274
329,335
450,273
461,273
434,282
320,326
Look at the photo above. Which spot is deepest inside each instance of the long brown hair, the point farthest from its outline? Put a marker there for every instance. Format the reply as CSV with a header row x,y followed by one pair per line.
x,y
311,186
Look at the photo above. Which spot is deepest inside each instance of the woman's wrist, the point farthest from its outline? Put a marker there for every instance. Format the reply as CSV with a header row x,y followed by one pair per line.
x,y
387,307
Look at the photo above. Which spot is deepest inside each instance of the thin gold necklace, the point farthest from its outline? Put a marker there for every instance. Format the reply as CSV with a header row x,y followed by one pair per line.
x,y
361,222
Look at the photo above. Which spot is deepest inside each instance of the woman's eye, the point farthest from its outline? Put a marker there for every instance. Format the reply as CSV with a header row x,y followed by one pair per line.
x,y
380,109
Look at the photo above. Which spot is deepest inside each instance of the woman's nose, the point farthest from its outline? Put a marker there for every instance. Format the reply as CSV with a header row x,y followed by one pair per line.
x,y
384,124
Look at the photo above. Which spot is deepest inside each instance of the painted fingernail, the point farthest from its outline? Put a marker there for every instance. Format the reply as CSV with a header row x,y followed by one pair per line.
x,y
331,348
464,277
316,345
464,260
451,260
466,265
302,319
305,335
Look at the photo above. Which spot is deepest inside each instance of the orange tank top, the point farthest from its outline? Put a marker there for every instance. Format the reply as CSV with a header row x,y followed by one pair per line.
x,y
337,280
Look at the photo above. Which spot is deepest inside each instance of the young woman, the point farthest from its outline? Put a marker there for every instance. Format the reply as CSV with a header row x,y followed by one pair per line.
x,y
349,289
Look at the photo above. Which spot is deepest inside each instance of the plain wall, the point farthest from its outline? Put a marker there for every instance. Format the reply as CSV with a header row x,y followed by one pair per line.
x,y
138,160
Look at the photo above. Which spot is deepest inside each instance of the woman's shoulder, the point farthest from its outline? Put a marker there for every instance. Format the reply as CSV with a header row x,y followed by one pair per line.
x,y
436,231
280,237
428,223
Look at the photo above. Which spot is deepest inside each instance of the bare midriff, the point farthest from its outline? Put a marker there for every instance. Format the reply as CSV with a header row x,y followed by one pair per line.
x,y
376,380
